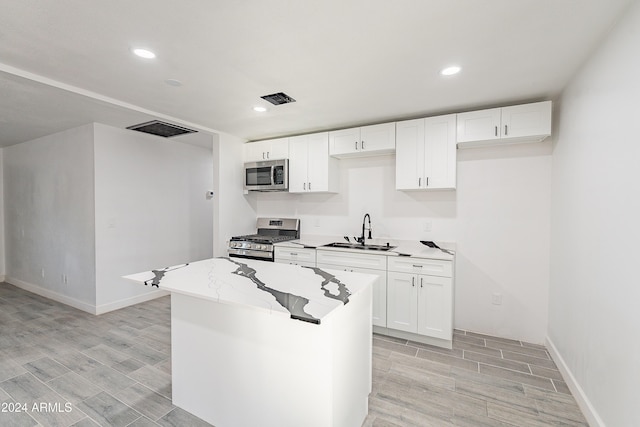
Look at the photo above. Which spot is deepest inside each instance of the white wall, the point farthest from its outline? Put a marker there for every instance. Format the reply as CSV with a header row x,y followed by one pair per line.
x,y
49,216
499,217
233,213
151,209
594,315
504,196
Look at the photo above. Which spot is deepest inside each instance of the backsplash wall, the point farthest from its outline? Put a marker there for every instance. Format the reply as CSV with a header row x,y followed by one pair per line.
x,y
367,185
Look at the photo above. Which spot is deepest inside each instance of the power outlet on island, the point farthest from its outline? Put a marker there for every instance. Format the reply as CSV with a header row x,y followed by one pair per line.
x,y
426,226
496,298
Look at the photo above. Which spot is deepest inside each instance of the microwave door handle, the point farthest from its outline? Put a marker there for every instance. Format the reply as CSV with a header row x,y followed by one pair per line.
x,y
273,175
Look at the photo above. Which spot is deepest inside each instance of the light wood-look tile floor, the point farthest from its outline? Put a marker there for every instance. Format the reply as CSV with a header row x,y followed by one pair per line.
x,y
62,367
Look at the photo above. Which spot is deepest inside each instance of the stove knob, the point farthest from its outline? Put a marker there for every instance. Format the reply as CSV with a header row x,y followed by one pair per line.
x,y
232,244
253,246
263,247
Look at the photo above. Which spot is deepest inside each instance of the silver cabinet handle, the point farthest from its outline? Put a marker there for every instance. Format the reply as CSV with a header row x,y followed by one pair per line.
x,y
419,181
294,254
496,130
362,145
427,182
267,154
421,282
505,130
413,281
356,145
417,266
263,156
304,185
309,186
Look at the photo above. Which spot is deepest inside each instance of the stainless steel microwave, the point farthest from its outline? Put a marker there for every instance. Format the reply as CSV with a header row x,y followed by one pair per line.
x,y
270,175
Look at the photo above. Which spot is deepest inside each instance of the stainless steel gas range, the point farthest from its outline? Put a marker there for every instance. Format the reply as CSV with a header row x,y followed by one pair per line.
x,y
260,245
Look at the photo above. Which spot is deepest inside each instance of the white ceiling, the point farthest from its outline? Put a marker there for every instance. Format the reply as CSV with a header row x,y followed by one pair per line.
x,y
65,63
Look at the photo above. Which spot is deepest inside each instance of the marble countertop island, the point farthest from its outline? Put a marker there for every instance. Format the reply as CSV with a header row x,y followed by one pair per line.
x,y
261,343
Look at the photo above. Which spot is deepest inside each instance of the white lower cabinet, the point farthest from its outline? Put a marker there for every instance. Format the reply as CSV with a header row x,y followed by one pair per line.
x,y
368,264
420,304
295,256
420,297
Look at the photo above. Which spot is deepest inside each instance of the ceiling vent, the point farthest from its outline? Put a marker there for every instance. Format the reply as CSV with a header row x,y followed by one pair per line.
x,y
278,98
166,130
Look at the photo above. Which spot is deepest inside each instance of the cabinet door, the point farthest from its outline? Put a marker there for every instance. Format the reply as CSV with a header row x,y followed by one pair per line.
x,y
255,151
379,291
379,303
318,162
345,141
440,152
410,154
379,138
526,120
402,302
435,307
298,164
479,125
278,149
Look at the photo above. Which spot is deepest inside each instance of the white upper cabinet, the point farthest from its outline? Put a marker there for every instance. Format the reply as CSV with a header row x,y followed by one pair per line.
x,y
363,141
310,167
426,153
271,149
518,123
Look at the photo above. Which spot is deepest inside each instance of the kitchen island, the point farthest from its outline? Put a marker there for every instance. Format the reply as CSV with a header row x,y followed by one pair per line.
x,y
261,343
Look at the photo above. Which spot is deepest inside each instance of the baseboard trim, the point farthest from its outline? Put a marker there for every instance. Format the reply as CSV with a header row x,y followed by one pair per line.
x,y
117,305
583,401
38,290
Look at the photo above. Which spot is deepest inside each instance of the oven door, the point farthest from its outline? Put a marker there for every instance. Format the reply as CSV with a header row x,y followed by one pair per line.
x,y
251,254
272,175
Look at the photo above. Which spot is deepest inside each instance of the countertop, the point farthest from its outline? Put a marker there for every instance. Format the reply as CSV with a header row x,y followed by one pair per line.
x,y
402,247
303,293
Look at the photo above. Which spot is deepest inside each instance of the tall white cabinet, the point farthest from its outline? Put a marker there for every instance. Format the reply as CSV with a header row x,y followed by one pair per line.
x,y
426,153
311,170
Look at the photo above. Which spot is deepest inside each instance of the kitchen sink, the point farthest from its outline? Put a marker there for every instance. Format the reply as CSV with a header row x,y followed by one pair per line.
x,y
346,245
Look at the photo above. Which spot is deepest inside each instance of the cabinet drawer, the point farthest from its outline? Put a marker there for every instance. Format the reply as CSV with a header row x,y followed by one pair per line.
x,y
294,254
348,259
432,267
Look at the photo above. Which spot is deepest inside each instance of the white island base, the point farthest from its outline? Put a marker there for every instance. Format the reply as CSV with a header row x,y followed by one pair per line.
x,y
236,366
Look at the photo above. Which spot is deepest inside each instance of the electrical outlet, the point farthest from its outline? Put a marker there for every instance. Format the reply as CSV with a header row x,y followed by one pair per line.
x,y
42,273
496,298
426,226
64,278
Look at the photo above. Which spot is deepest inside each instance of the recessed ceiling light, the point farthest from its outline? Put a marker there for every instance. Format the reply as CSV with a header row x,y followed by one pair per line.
x,y
144,53
173,82
259,109
450,71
